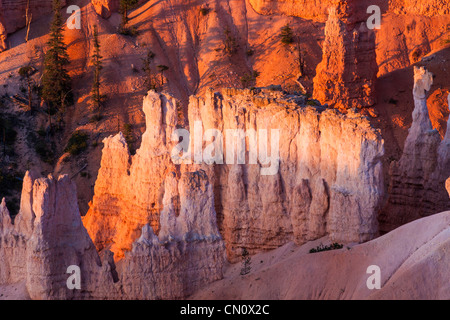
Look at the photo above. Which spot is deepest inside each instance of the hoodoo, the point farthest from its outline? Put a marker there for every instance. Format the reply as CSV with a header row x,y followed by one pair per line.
x,y
245,149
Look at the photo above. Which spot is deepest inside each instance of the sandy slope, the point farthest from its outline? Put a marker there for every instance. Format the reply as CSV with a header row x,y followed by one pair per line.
x,y
16,291
413,259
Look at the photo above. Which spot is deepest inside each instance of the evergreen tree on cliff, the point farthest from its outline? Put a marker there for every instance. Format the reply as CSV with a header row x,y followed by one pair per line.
x,y
125,6
97,63
56,82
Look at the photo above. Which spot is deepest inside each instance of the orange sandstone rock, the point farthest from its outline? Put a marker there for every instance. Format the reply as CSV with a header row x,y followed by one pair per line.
x,y
105,8
348,71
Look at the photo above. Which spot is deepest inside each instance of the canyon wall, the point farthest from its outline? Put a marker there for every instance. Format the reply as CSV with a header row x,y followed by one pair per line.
x,y
420,7
328,179
417,186
317,10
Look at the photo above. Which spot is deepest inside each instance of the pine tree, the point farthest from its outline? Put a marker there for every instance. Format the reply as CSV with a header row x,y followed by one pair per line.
x,y
300,58
147,68
97,63
287,36
56,82
230,43
125,6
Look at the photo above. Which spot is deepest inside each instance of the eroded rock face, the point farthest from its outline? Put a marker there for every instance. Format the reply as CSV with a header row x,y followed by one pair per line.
x,y
348,10
418,179
318,10
189,252
413,260
128,190
3,34
39,251
46,238
105,8
12,15
328,179
420,7
347,74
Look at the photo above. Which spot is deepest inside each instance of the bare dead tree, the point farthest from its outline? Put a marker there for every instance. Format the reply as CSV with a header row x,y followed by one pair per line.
x,y
28,19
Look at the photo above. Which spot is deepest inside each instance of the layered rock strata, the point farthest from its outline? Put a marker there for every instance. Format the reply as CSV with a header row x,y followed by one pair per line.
x,y
417,186
328,179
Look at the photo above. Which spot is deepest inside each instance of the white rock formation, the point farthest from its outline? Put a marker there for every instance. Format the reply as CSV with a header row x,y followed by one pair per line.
x,y
417,186
39,254
47,237
189,252
329,178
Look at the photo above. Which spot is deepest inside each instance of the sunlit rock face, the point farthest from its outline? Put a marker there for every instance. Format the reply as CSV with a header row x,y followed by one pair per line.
x,y
417,187
328,180
189,251
422,7
348,10
128,190
347,74
105,8
447,186
354,9
3,34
